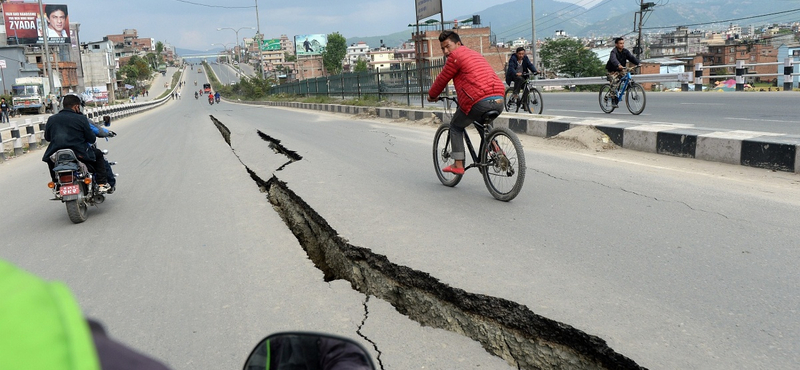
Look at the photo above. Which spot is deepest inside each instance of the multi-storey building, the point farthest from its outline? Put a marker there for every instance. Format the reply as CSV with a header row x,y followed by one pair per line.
x,y
478,39
678,43
751,52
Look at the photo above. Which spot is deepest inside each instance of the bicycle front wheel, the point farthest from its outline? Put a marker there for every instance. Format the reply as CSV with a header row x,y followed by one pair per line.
x,y
635,99
607,98
442,156
504,162
534,103
507,96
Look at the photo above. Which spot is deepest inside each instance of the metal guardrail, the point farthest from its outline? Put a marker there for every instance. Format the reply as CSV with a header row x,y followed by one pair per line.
x,y
686,78
33,128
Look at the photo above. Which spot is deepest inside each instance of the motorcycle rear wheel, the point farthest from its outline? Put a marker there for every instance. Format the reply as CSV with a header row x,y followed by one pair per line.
x,y
77,210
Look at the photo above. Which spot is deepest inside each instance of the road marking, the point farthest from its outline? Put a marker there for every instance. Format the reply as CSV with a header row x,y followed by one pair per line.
x,y
703,104
760,120
585,111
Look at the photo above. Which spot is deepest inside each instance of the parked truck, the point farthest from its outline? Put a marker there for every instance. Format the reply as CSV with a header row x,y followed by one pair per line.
x,y
29,94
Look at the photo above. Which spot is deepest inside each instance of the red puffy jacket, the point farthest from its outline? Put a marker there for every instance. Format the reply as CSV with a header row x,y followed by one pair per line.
x,y
472,75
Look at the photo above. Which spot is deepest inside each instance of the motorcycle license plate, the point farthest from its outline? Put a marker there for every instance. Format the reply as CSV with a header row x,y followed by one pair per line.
x,y
70,190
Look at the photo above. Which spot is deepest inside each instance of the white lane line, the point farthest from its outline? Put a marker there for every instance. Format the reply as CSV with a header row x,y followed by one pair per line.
x,y
760,120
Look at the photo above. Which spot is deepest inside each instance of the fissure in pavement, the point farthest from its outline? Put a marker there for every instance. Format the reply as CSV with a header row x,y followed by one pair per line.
x,y
504,328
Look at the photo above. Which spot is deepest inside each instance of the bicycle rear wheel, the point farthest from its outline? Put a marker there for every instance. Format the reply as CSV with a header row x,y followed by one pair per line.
x,y
606,98
442,156
534,105
635,98
504,173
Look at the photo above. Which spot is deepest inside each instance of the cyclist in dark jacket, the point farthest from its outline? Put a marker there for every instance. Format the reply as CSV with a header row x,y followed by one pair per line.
x,y
517,65
617,61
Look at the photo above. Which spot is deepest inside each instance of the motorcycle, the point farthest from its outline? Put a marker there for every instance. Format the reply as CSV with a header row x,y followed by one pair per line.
x,y
75,185
196,96
216,100
210,100
305,350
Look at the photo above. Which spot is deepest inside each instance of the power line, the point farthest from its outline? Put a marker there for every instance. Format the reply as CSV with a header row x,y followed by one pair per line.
x,y
215,6
545,18
723,21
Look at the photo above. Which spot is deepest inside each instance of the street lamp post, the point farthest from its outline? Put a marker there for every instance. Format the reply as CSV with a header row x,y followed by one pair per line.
x,y
237,37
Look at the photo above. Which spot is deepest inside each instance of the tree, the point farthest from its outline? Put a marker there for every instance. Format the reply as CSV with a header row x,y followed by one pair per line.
x,y
361,66
141,65
159,47
290,57
130,73
334,53
569,57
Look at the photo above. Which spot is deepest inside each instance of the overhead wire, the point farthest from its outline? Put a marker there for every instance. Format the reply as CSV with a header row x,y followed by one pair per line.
x,y
215,6
724,20
542,21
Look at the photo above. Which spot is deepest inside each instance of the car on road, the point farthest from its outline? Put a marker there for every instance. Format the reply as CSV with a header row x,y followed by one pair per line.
x,y
206,88
199,70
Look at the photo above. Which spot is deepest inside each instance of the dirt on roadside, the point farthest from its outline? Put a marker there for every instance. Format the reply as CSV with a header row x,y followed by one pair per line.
x,y
584,137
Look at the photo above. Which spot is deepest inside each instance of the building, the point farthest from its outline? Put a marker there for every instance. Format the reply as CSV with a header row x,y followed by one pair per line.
x,y
793,52
678,43
478,39
355,52
99,70
16,66
751,52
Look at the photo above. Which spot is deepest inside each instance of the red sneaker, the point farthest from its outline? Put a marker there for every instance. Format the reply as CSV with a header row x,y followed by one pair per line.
x,y
453,170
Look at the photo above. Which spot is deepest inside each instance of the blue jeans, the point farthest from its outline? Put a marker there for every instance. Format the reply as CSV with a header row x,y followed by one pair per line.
x,y
4,116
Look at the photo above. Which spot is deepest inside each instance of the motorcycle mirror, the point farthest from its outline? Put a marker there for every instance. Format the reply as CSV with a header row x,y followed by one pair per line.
x,y
306,350
106,121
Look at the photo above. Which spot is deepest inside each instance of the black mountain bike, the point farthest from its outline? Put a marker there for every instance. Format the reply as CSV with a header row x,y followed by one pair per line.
x,y
500,158
530,101
633,92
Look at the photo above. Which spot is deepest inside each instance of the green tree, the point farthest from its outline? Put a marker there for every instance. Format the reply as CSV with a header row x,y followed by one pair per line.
x,y
141,65
334,53
130,74
569,57
361,66
290,57
159,47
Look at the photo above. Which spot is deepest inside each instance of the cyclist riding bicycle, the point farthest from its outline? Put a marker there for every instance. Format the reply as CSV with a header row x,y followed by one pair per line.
x,y
477,85
517,66
617,61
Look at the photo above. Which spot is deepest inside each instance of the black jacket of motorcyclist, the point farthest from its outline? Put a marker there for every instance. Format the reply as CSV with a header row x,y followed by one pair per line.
x,y
70,129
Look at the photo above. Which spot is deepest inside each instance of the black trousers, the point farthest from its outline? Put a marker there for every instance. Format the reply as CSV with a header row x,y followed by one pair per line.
x,y
97,166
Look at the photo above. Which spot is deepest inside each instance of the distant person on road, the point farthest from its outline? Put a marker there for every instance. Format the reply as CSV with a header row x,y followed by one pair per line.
x,y
477,85
3,111
517,65
617,61
56,20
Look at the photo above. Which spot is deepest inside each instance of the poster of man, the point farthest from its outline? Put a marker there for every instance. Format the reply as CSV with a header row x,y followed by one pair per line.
x,y
310,44
24,26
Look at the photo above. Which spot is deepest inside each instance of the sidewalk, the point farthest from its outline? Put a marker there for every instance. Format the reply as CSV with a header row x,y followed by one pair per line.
x,y
157,85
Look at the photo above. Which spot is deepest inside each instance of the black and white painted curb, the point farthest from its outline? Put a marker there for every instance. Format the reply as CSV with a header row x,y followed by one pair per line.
x,y
747,148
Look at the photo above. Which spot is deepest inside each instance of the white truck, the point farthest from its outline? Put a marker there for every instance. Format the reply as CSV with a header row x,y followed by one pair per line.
x,y
29,94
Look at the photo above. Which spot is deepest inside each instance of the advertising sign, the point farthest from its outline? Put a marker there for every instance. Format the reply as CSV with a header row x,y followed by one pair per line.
x,y
310,44
270,45
23,23
427,8
98,94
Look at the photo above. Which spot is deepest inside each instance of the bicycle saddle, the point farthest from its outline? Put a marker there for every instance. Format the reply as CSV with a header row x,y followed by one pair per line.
x,y
490,116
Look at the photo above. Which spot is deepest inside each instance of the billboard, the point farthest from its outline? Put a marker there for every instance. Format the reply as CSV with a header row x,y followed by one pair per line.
x,y
270,45
23,25
427,8
98,94
310,44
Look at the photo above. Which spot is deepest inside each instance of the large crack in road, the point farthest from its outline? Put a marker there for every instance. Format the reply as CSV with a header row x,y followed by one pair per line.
x,y
504,328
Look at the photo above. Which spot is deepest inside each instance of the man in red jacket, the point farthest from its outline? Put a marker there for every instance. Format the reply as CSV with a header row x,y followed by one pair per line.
x,y
478,87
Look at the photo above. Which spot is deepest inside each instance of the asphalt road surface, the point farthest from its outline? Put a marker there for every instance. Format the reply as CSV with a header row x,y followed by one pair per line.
x,y
752,111
676,263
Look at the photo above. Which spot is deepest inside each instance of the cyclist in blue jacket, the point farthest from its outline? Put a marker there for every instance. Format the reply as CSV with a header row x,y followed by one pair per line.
x,y
517,65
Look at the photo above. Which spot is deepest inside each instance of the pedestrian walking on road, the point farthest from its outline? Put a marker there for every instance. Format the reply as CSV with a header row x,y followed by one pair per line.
x,y
179,95
3,111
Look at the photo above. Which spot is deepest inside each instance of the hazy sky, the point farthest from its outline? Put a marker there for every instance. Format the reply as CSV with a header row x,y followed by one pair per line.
x,y
195,26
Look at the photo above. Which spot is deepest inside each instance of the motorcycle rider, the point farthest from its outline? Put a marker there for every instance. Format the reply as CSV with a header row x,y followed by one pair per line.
x,y
216,96
210,98
100,131
70,129
195,95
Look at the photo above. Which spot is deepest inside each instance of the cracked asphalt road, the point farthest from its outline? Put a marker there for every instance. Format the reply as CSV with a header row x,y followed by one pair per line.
x,y
189,262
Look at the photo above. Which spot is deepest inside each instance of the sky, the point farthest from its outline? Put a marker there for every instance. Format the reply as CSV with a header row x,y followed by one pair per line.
x,y
189,26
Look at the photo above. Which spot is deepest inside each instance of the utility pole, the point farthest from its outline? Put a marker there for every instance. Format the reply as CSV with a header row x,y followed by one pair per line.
x,y
46,49
643,9
259,37
533,34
